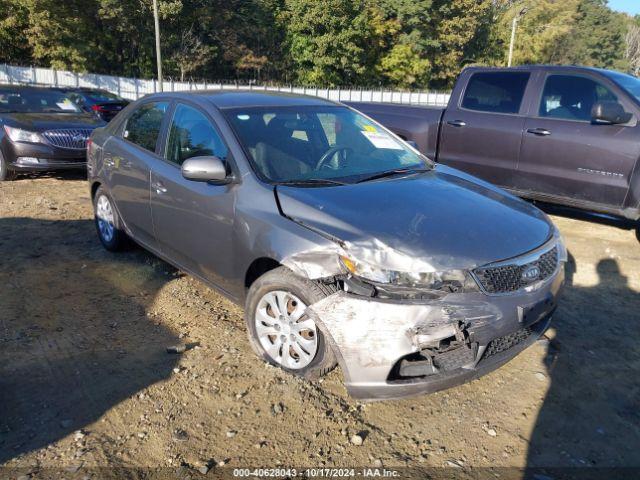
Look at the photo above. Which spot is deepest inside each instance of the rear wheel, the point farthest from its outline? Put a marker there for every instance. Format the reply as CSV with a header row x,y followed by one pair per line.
x,y
279,330
5,173
108,224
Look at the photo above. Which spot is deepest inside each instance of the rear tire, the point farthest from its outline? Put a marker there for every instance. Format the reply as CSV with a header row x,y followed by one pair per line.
x,y
279,332
108,222
5,174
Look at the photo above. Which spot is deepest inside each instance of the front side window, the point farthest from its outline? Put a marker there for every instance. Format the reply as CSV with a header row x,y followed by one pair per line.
x,y
191,134
496,92
570,97
307,143
143,126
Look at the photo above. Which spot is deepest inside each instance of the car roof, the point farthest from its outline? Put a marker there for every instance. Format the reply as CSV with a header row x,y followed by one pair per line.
x,y
576,68
224,99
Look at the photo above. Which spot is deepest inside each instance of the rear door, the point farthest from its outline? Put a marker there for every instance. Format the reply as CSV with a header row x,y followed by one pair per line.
x,y
481,133
193,220
127,160
567,156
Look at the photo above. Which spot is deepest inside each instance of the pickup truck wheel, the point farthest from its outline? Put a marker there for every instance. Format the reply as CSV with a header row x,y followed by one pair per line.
x,y
108,224
280,332
5,173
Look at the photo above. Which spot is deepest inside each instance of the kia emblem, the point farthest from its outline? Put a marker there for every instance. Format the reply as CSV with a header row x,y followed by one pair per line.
x,y
531,274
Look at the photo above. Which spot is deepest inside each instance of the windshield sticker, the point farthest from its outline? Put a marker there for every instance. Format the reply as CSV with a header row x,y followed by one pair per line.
x,y
382,140
370,128
66,105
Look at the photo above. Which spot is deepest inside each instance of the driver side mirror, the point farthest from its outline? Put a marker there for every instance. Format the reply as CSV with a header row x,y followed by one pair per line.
x,y
609,113
205,169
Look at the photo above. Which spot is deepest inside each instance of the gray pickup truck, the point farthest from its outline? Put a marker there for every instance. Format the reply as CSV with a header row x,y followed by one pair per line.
x,y
563,135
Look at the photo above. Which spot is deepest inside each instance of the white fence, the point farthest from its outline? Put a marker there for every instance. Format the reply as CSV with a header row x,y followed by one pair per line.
x,y
134,88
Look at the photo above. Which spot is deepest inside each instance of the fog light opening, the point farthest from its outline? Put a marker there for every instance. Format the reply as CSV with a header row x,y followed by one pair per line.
x,y
27,161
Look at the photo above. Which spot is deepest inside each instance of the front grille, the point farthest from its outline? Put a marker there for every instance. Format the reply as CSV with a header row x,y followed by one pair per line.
x,y
502,344
509,278
453,359
73,138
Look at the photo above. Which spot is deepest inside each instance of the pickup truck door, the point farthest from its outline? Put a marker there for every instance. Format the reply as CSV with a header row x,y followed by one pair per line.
x,y
193,220
481,132
566,156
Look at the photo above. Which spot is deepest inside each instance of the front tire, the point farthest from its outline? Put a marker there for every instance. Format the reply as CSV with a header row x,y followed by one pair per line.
x,y
5,173
108,223
280,332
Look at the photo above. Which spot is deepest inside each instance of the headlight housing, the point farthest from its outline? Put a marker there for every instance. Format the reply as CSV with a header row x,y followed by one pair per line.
x,y
451,281
19,135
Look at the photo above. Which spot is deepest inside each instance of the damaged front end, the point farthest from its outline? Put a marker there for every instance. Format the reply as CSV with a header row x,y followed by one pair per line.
x,y
394,339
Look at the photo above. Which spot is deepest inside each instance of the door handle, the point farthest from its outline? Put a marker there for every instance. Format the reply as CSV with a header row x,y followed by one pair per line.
x,y
159,188
543,132
457,123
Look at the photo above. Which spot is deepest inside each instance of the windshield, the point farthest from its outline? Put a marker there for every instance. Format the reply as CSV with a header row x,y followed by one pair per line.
x,y
630,83
36,100
290,144
102,96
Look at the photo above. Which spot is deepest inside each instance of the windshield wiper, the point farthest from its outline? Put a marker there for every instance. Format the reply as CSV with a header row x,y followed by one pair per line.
x,y
390,173
312,181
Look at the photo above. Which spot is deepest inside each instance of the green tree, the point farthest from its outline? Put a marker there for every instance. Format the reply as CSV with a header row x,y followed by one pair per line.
x,y
460,30
14,45
327,40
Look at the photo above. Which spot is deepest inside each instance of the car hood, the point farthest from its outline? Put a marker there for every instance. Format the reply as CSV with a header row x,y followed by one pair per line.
x,y
442,218
39,122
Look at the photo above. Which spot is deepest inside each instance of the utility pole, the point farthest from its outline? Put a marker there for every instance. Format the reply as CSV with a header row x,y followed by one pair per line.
x,y
156,21
514,25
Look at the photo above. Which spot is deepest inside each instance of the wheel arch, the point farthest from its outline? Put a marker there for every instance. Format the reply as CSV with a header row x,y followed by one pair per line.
x,y
259,267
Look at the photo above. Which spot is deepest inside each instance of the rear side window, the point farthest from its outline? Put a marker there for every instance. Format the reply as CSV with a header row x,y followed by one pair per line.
x,y
191,134
497,92
143,126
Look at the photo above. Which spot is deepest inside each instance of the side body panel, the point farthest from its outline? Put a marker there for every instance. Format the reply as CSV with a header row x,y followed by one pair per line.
x,y
484,144
579,161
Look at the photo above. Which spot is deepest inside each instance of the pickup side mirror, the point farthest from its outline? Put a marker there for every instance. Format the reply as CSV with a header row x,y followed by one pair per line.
x,y
205,169
609,113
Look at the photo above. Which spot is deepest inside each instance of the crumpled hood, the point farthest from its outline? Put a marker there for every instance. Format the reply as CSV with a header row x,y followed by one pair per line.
x,y
39,122
441,219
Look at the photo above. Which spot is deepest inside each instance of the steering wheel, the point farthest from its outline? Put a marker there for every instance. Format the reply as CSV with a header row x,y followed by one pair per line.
x,y
330,153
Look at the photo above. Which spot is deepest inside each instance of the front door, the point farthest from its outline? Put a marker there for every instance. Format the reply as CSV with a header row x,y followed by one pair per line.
x,y
481,135
193,220
127,162
565,155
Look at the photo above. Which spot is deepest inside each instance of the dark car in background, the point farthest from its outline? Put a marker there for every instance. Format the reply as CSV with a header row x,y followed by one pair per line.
x,y
558,134
345,245
101,103
41,129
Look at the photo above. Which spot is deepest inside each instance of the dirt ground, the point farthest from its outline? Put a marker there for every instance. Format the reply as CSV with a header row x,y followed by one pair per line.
x,y
86,381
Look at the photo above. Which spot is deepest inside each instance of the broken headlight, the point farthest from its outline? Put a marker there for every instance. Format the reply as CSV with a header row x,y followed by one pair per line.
x,y
451,281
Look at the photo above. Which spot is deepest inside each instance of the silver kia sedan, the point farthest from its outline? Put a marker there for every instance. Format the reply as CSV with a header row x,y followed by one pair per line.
x,y
345,245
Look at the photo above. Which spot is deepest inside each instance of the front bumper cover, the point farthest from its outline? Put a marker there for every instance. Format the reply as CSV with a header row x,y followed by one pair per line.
x,y
49,156
371,336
